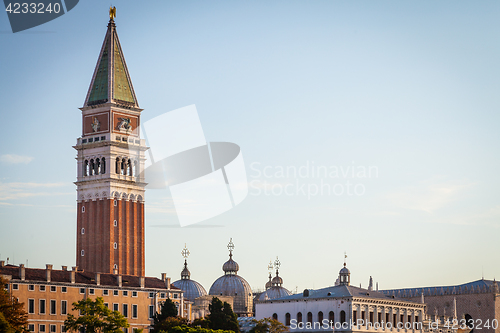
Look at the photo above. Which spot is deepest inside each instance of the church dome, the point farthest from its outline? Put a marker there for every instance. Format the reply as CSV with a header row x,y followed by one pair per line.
x,y
191,288
275,290
230,266
231,284
277,281
273,293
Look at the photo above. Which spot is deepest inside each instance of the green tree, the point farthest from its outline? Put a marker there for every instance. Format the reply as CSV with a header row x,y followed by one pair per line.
x,y
167,324
222,317
95,317
13,317
187,329
268,325
168,309
200,322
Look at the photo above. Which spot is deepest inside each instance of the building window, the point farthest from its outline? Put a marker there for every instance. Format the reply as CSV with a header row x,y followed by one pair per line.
x,y
394,316
82,290
134,311
125,310
91,291
53,289
42,288
83,231
53,307
52,328
106,305
31,327
299,317
115,266
115,246
275,316
355,316
134,294
331,316
151,295
115,203
82,253
63,329
31,306
371,317
105,292
115,307
287,319
151,311
162,295
115,292
176,295
115,223
416,319
15,286
309,317
42,306
320,316
41,328
83,209
125,293
64,307
342,316
31,287
64,289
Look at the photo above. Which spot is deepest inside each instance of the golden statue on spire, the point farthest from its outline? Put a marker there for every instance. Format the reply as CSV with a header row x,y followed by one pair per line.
x,y
112,13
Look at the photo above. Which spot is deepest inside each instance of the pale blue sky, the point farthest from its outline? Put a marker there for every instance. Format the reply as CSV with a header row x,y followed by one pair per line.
x,y
410,88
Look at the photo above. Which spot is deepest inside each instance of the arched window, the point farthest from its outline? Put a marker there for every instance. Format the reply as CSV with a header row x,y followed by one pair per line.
x,y
331,316
342,316
85,168
309,317
124,167
287,319
299,317
117,168
91,168
275,316
320,316
103,166
97,167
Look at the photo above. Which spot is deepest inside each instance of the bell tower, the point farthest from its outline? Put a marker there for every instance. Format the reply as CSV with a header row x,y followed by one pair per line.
x,y
110,158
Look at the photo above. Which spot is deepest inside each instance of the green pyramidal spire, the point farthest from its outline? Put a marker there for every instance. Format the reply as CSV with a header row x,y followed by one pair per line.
x,y
111,81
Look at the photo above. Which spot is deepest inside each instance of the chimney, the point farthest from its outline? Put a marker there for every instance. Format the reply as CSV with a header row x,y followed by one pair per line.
x,y
48,272
163,276
2,263
22,272
167,283
119,280
74,269
142,281
98,279
64,268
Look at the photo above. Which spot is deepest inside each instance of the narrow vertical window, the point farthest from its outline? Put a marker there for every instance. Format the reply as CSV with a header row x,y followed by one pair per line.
x,y
83,231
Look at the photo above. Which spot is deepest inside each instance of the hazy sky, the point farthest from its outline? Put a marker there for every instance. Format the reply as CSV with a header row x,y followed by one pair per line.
x,y
404,93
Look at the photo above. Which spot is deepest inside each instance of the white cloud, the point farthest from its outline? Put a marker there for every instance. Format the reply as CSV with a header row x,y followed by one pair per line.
x,y
15,159
15,191
430,195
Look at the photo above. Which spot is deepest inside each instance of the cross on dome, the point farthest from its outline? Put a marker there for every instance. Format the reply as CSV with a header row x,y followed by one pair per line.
x,y
185,252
